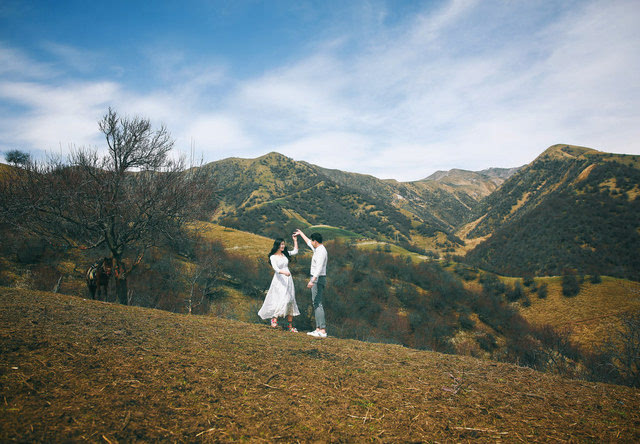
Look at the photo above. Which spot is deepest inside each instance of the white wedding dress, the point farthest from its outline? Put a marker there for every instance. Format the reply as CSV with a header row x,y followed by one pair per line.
x,y
281,297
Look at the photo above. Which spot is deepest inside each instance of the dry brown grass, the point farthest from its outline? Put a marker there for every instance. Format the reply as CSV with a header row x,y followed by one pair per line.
x,y
235,305
590,315
236,241
80,370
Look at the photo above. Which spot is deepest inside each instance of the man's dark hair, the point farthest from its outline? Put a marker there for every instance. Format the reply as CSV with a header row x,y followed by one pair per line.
x,y
316,237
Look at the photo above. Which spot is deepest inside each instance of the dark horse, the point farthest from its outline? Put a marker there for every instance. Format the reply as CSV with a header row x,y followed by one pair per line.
x,y
98,277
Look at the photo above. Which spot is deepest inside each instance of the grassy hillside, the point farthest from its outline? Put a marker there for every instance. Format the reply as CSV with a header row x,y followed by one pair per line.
x,y
76,370
379,292
236,241
572,208
589,317
273,194
475,185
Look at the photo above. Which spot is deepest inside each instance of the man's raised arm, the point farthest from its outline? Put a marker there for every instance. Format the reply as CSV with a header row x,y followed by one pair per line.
x,y
306,239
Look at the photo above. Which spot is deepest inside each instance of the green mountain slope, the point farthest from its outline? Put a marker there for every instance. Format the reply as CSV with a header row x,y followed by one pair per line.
x,y
573,207
273,194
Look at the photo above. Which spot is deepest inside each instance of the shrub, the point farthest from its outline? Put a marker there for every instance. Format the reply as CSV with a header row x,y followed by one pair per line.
x,y
629,357
542,290
570,285
528,280
487,341
527,351
17,157
492,284
558,340
516,293
465,322
44,277
466,273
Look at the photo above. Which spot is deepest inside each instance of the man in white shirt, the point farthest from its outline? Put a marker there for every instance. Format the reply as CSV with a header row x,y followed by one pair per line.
x,y
318,281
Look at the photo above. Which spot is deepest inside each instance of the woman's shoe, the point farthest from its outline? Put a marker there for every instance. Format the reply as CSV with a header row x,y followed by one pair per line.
x,y
292,329
274,322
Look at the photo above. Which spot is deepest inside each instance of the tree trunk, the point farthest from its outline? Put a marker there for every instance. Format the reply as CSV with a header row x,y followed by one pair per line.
x,y
121,273
121,290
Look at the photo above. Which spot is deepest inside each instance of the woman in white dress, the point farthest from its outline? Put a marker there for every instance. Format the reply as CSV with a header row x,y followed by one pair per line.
x,y
281,297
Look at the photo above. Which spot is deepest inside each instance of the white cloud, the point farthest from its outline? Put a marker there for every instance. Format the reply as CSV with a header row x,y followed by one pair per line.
x,y
14,63
299,98
341,150
58,116
78,59
219,134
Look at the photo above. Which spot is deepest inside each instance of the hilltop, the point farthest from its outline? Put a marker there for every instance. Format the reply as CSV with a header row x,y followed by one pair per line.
x,y
74,369
571,208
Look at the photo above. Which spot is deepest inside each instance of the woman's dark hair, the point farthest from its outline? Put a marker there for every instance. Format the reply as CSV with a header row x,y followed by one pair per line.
x,y
276,247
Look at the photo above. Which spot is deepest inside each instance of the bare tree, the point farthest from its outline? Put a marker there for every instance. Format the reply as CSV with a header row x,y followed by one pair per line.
x,y
131,198
617,359
629,357
207,272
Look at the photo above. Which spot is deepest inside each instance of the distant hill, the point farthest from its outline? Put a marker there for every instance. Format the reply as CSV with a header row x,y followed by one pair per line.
x,y
273,194
571,208
459,177
79,370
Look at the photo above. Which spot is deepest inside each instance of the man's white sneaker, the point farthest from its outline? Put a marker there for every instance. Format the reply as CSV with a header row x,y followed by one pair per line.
x,y
317,334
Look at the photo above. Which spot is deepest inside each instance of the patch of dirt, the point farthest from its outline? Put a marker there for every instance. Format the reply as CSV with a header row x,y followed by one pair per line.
x,y
80,370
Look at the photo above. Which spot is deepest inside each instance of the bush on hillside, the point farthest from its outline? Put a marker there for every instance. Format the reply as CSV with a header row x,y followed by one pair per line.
x,y
570,285
528,280
543,291
465,272
515,293
31,250
492,284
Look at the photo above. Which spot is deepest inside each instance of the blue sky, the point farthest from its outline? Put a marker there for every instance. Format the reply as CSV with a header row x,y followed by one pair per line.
x,y
396,89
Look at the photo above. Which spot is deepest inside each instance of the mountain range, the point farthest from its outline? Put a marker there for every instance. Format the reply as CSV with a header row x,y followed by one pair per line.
x,y
572,208
273,194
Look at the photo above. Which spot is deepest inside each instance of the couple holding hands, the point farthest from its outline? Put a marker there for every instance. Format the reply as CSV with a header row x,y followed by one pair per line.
x,y
281,297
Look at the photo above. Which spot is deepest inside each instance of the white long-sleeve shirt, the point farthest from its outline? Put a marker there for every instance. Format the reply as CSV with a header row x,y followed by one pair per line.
x,y
279,265
318,261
